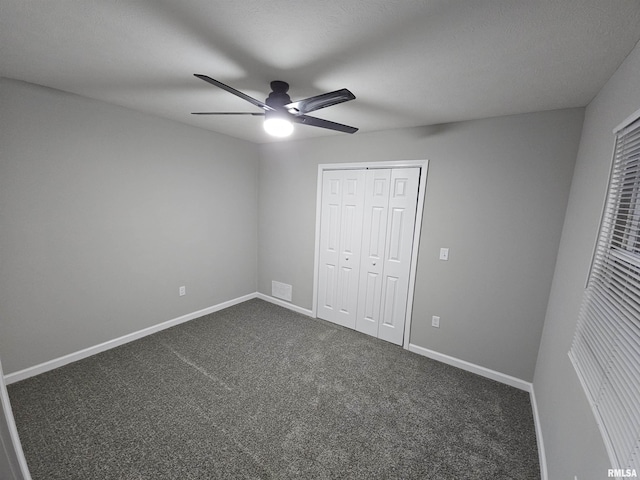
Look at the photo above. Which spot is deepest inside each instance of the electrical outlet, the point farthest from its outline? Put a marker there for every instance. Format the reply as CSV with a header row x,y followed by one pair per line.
x,y
182,291
435,321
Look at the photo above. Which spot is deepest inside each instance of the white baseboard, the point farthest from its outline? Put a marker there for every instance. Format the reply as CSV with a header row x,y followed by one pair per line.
x,y
87,352
536,420
282,303
472,367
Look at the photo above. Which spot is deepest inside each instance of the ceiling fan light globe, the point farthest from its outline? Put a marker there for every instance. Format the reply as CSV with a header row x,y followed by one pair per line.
x,y
278,127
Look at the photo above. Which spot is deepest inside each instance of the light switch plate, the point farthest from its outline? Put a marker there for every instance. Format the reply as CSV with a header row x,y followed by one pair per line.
x,y
444,254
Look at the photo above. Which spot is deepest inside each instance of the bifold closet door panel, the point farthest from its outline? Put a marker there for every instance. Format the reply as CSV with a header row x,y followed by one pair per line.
x,y
376,203
329,244
340,243
401,221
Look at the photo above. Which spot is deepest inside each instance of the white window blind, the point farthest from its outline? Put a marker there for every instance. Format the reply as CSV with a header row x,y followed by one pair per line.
x,y
606,347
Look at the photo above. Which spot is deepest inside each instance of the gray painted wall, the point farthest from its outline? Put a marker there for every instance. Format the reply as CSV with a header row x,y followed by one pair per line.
x,y
572,440
104,213
496,196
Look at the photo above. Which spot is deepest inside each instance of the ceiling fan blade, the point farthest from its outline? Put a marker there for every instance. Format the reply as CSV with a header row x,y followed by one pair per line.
x,y
255,114
237,93
319,122
319,101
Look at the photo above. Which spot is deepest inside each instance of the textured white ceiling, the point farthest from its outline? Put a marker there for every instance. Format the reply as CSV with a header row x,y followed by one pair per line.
x,y
409,62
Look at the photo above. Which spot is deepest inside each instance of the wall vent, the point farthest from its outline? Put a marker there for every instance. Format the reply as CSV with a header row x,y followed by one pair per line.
x,y
281,290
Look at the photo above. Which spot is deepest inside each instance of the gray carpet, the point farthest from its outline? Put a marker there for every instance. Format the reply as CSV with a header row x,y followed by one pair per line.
x,y
257,391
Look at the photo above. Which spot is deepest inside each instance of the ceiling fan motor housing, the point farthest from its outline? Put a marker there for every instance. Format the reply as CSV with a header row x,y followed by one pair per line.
x,y
278,98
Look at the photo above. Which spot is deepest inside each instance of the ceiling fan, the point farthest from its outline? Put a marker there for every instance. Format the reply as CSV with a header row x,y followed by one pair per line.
x,y
281,113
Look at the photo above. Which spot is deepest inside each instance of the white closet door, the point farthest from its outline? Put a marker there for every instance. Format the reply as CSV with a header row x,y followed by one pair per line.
x,y
340,238
376,204
398,247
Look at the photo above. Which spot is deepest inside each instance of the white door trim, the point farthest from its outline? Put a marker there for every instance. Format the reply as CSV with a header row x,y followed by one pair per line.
x,y
423,165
